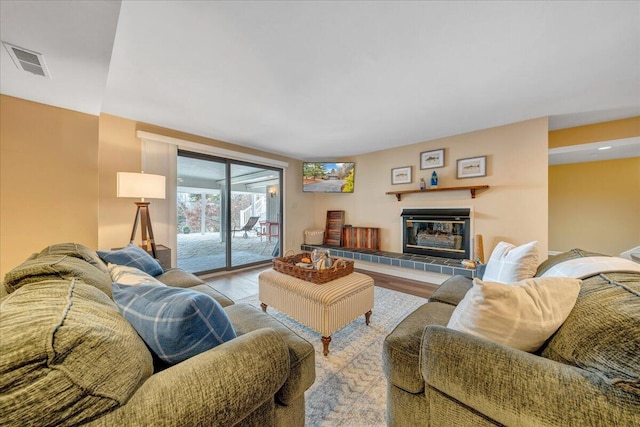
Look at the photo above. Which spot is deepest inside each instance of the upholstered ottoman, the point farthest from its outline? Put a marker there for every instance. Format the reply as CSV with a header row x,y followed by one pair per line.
x,y
324,308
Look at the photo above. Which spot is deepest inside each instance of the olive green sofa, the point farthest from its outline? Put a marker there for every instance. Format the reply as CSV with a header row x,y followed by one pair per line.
x,y
586,374
70,358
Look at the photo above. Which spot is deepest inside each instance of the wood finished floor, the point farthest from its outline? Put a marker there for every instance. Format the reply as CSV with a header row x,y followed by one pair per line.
x,y
241,284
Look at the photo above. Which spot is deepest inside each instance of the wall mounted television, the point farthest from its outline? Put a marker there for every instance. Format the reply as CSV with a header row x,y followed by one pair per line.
x,y
328,177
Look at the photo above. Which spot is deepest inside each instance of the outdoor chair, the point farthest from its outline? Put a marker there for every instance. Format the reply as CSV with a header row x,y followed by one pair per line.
x,y
250,225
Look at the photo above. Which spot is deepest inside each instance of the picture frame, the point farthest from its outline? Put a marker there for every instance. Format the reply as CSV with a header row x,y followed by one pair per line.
x,y
401,175
432,159
471,167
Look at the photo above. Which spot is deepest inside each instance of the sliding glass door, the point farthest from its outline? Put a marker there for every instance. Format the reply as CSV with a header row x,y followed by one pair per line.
x,y
201,200
228,213
255,214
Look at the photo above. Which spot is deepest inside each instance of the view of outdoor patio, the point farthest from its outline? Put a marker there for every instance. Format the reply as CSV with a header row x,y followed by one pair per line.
x,y
201,240
228,213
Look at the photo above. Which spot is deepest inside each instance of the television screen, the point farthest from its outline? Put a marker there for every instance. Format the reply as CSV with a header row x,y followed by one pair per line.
x,y
328,177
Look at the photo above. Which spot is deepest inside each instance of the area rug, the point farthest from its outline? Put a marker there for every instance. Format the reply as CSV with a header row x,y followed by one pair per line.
x,y
350,388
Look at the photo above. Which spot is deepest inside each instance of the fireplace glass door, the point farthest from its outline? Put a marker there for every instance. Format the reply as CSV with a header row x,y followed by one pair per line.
x,y
439,232
445,236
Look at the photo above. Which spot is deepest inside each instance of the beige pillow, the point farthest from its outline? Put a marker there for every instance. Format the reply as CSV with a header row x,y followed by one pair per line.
x,y
521,315
509,263
126,275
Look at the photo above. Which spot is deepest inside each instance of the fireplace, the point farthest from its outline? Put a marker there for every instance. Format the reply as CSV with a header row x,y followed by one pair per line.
x,y
437,232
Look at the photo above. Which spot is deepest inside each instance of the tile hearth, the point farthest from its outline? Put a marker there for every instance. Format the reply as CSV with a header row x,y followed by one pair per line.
x,y
426,263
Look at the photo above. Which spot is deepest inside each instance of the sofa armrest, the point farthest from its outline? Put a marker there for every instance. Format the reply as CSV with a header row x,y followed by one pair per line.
x,y
179,278
518,388
219,387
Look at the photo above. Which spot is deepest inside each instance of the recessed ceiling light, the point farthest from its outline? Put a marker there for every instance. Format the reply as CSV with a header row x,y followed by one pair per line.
x,y
604,148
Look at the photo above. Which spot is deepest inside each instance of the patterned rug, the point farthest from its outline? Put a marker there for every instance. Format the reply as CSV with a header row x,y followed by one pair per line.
x,y
350,388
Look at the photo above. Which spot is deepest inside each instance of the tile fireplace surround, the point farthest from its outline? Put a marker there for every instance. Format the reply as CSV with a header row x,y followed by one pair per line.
x,y
414,262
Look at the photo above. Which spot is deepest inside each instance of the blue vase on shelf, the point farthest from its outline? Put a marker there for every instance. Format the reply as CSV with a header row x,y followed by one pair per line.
x,y
434,180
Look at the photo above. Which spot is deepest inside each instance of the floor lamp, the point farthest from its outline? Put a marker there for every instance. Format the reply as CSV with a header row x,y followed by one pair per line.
x,y
143,185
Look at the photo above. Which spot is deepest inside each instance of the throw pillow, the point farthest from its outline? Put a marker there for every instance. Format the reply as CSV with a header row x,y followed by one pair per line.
x,y
133,256
521,315
175,323
126,275
509,263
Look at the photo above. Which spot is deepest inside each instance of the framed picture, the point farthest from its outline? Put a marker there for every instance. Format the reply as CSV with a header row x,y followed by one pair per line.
x,y
472,167
432,159
401,175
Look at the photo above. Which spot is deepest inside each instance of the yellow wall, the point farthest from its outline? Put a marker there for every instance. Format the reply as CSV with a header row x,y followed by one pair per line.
x,y
595,205
58,182
513,209
120,150
48,178
597,132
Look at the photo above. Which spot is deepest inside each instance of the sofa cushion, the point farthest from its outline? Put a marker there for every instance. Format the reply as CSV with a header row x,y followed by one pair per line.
x,y
509,263
452,290
68,355
126,275
132,256
247,318
75,250
602,333
175,323
183,279
222,299
401,348
521,315
52,267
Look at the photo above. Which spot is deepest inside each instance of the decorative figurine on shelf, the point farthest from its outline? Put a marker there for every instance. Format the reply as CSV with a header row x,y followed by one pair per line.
x,y
423,184
434,180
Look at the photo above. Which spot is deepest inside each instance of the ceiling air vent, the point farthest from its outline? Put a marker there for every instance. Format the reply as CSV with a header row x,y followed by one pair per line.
x,y
27,60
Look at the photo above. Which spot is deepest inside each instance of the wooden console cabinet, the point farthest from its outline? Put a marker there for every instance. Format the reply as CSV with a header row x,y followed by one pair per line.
x,y
361,238
164,256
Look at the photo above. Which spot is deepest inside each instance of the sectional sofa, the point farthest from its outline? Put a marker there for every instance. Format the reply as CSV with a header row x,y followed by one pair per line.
x,y
70,357
586,374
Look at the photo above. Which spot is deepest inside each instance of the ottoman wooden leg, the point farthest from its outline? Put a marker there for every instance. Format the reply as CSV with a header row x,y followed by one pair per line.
x,y
325,345
263,306
367,317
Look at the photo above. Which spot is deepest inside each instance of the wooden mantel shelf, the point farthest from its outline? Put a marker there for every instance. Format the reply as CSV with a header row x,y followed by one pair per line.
x,y
472,189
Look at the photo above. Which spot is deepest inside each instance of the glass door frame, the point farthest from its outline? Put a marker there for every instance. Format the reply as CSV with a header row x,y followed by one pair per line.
x,y
226,208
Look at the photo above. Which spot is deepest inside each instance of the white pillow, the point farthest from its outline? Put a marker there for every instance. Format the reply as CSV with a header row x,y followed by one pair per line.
x,y
521,315
509,263
126,275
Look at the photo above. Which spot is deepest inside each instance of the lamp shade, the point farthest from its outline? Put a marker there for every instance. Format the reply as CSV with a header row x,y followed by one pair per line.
x,y
144,185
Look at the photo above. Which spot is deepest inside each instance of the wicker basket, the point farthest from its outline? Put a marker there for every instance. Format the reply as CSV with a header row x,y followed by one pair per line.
x,y
287,265
313,237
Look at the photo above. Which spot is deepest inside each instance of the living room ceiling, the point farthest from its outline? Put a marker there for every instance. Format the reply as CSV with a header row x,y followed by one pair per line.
x,y
327,80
